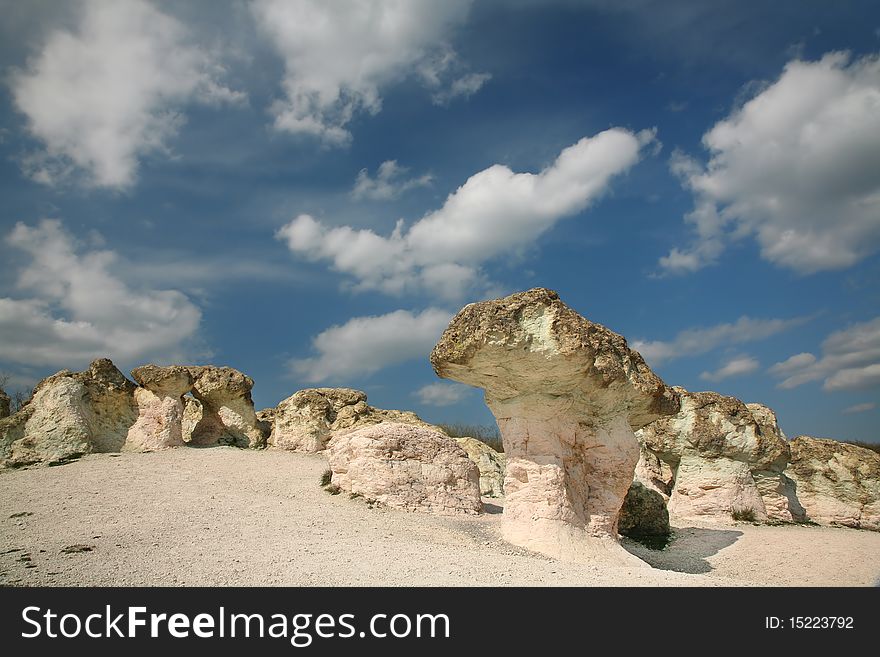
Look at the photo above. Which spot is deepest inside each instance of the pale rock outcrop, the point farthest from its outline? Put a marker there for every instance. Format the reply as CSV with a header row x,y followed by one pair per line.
x,y
265,421
5,404
490,463
227,409
70,414
406,467
837,483
160,404
308,419
192,415
567,395
716,456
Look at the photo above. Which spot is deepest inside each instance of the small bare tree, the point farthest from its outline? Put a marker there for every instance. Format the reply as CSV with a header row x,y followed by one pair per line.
x,y
17,398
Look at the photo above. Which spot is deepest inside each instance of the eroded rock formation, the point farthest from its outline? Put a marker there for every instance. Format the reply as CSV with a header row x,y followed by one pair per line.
x,y
70,414
837,483
716,456
99,410
567,394
159,398
490,463
227,409
308,419
406,467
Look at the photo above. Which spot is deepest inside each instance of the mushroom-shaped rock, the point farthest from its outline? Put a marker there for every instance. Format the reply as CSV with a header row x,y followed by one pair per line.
x,y
490,463
308,419
160,407
567,394
406,467
228,416
837,483
716,456
68,415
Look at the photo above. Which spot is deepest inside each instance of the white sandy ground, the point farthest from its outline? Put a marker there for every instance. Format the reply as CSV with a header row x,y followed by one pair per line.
x,y
230,517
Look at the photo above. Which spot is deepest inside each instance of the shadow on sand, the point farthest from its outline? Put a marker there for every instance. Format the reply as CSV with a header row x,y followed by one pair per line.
x,y
687,551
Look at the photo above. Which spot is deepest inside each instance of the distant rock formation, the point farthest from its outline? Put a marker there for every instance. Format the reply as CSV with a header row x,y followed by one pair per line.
x,y
837,483
70,414
716,456
99,410
490,463
406,467
308,419
567,395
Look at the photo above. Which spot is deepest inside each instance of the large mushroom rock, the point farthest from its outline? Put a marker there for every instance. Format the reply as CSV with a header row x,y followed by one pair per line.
x,y
70,414
490,463
308,419
716,456
406,467
228,416
160,407
567,394
5,404
837,483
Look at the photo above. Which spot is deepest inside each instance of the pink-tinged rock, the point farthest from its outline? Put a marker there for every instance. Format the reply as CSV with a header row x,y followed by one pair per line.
x,y
406,467
837,483
160,407
567,394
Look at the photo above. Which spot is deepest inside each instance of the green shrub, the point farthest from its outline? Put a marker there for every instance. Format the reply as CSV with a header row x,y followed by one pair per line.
x,y
326,478
333,489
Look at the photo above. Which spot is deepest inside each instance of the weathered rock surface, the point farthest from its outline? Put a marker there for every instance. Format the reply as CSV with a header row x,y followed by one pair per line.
x,y
159,399
644,512
837,483
227,413
718,455
567,394
406,467
5,404
70,414
308,419
490,463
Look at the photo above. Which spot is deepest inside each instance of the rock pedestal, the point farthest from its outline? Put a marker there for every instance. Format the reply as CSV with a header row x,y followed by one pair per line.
x,y
567,394
160,407
227,413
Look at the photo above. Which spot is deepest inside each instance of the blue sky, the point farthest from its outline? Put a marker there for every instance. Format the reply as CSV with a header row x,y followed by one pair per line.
x,y
308,191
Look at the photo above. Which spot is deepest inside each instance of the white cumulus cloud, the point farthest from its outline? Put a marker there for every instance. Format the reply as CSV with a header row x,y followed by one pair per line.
x,y
738,366
101,97
859,408
338,56
850,361
77,309
364,345
442,394
390,182
797,167
696,341
495,212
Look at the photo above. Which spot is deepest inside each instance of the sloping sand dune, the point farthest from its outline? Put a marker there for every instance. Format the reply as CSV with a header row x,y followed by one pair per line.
x,y
224,516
